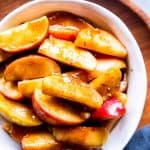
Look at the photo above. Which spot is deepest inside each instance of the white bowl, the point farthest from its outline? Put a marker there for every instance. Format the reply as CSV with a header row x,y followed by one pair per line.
x,y
124,130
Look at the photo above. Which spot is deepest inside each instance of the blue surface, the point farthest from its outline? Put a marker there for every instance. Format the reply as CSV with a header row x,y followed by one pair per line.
x,y
140,140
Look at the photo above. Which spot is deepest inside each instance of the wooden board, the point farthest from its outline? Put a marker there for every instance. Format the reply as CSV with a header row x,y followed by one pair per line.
x,y
136,25
132,5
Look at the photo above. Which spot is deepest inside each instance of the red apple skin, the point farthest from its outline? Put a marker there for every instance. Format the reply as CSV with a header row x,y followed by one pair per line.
x,y
10,90
68,33
43,114
30,67
110,109
49,113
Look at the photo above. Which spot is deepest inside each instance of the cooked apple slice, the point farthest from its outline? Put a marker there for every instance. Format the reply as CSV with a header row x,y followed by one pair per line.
x,y
67,19
25,36
40,140
55,111
122,97
66,33
30,67
111,109
107,82
100,41
66,52
104,64
4,55
72,89
78,74
27,87
84,136
10,90
18,132
17,113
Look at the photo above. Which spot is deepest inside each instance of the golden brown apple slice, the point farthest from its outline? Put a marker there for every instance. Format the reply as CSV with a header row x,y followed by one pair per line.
x,y
30,67
84,136
17,113
78,74
67,19
72,89
104,64
27,87
40,140
122,97
10,90
68,33
18,132
25,36
4,55
107,82
100,41
67,53
55,111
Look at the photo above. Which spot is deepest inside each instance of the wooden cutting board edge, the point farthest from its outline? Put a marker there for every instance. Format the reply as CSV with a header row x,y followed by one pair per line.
x,y
133,6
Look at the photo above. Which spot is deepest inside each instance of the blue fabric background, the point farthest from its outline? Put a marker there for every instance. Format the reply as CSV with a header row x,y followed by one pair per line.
x,y
140,140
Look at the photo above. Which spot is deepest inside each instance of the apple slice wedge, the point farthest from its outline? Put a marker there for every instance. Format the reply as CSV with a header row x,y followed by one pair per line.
x,y
100,41
107,82
4,55
27,87
10,90
104,64
40,140
68,33
55,111
111,109
78,74
65,19
66,52
17,132
17,113
122,97
72,89
81,135
30,67
25,36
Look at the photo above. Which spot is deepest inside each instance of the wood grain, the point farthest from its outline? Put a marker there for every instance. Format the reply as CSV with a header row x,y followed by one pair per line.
x,y
131,19
131,4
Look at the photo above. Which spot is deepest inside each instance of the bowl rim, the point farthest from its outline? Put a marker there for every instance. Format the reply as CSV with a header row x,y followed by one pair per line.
x,y
121,26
